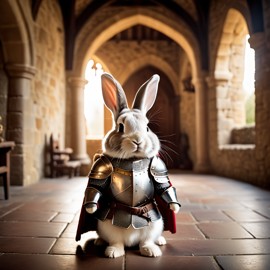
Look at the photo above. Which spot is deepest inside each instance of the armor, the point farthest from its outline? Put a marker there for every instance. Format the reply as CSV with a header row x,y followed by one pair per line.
x,y
130,187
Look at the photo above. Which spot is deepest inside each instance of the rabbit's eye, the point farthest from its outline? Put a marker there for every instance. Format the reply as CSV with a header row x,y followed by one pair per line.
x,y
121,128
147,128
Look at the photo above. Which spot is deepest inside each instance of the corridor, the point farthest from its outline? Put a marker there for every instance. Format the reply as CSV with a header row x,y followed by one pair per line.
x,y
223,224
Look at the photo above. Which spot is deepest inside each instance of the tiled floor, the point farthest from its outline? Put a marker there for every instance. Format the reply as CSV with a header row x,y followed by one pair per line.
x,y
223,224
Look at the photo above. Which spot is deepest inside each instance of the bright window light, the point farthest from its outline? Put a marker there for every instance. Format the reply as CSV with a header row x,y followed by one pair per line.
x,y
93,102
248,83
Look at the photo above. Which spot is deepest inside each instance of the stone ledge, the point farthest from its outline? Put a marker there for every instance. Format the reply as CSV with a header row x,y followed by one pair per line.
x,y
237,147
243,135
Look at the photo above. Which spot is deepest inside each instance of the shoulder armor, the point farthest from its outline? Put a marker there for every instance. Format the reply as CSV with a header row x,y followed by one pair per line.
x,y
101,169
159,170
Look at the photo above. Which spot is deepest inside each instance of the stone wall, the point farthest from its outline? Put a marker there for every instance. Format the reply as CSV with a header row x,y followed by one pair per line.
x,y
244,135
48,94
117,54
249,163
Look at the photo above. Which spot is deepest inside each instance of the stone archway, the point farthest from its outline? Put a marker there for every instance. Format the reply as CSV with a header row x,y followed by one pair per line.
x,y
229,70
17,48
90,41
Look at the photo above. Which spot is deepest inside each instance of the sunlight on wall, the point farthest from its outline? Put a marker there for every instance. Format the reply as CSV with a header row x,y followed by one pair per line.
x,y
93,102
248,83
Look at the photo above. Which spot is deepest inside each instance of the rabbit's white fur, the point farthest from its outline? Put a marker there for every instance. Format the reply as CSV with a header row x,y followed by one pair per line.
x,y
118,238
137,140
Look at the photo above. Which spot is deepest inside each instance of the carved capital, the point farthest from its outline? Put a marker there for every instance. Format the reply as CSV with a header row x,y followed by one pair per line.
x,y
20,71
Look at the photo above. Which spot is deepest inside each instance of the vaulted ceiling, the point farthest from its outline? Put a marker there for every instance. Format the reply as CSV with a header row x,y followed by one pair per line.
x,y
195,13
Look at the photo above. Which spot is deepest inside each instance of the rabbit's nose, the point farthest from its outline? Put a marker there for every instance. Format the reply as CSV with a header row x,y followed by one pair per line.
x,y
137,141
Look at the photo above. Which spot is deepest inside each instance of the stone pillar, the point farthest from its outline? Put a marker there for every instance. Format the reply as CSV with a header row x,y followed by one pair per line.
x,y
19,121
220,86
77,121
201,124
261,45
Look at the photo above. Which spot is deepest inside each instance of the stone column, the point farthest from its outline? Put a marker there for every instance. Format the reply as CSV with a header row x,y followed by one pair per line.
x,y
77,121
19,120
258,41
201,124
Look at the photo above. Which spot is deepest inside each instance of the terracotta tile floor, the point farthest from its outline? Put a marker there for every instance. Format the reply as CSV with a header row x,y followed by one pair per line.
x,y
223,224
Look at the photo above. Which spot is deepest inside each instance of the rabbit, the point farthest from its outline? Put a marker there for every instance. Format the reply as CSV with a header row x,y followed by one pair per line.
x,y
135,218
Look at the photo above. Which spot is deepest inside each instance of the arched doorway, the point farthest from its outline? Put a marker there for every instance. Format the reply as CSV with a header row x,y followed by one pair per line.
x,y
164,116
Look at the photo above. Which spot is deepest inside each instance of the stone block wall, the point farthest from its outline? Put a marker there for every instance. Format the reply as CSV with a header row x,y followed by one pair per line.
x,y
116,54
48,92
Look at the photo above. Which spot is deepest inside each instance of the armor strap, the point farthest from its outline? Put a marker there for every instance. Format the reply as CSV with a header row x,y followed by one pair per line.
x,y
140,211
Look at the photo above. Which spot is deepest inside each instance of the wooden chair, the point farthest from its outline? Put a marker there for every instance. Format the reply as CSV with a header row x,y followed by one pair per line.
x,y
5,148
60,160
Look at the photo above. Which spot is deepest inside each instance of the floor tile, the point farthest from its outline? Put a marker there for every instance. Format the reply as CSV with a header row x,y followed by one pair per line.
x,y
63,217
173,263
251,262
70,246
26,245
258,229
185,217
70,230
65,246
210,215
50,206
184,231
7,207
58,262
34,229
216,247
263,211
226,230
246,215
25,215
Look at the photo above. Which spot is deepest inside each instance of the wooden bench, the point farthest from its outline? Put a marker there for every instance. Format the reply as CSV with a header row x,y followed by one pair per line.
x,y
60,160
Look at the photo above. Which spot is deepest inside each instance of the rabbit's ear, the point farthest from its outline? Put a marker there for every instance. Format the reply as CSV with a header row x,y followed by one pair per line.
x,y
113,94
146,95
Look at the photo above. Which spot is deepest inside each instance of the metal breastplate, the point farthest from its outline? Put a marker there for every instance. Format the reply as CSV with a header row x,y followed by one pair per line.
x,y
132,186
130,182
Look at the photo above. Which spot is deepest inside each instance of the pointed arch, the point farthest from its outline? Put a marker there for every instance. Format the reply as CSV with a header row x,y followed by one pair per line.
x,y
89,43
229,74
19,51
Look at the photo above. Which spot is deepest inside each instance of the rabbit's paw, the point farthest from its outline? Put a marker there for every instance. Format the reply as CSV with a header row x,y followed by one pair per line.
x,y
114,251
150,250
91,208
174,207
161,241
100,242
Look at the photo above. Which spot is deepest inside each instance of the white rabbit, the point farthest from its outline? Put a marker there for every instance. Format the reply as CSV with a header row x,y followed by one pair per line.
x,y
126,179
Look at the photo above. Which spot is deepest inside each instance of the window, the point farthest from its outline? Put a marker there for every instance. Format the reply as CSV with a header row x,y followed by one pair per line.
x,y
93,102
248,83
